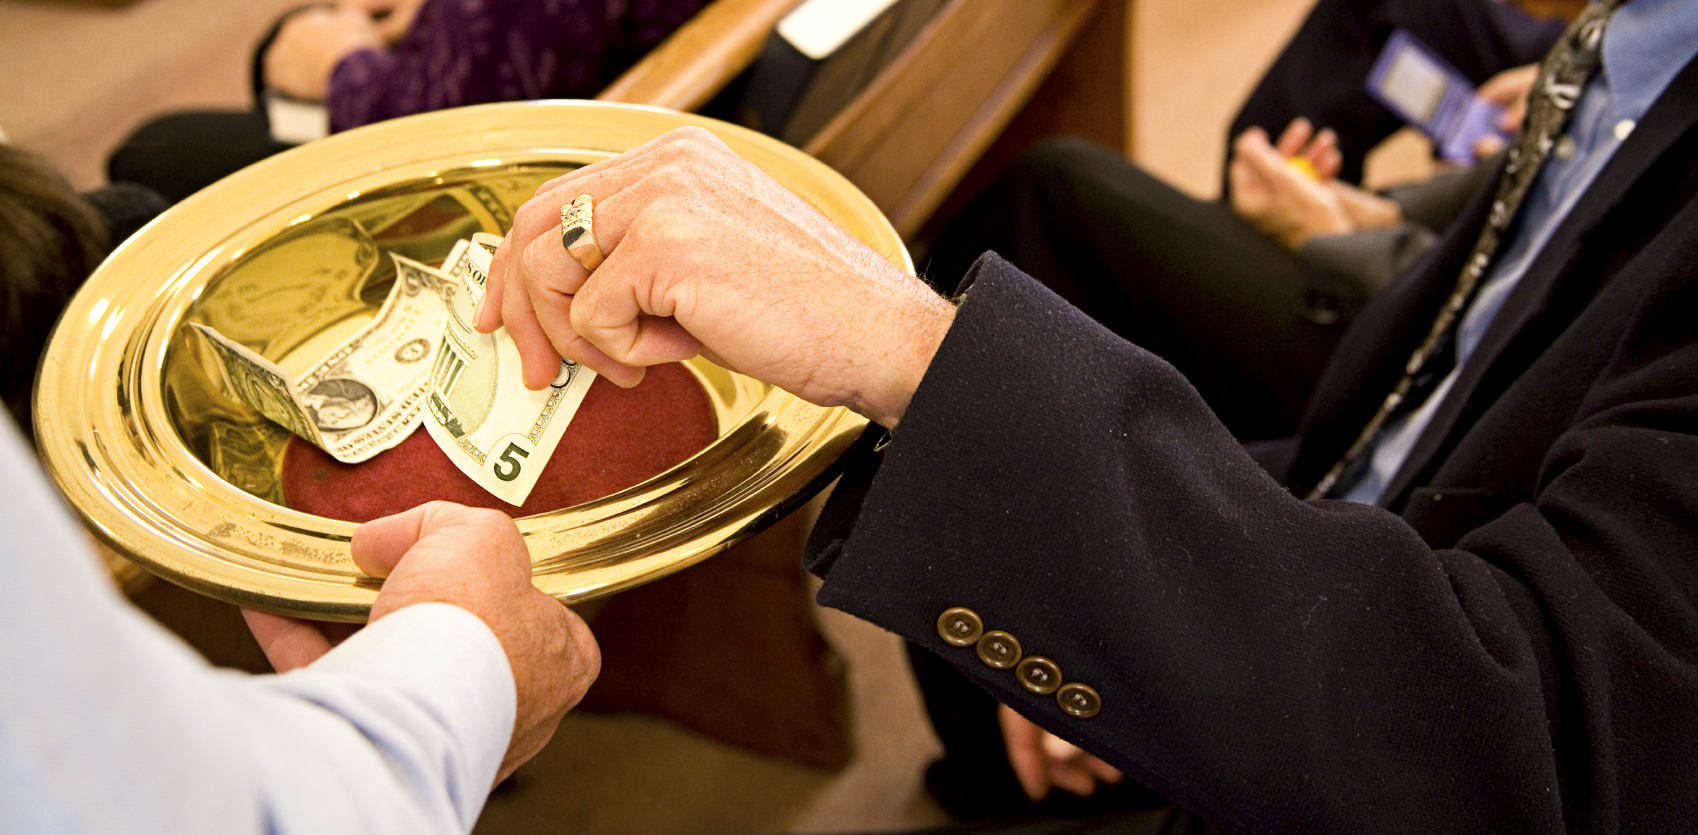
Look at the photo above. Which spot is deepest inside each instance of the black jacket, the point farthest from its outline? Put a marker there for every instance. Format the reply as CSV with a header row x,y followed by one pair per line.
x,y
1508,645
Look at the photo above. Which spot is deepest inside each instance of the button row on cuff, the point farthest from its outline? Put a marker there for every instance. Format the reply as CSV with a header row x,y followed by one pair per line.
x,y
1000,650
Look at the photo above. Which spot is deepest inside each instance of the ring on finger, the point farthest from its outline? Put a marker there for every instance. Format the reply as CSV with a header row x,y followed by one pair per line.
x,y
577,232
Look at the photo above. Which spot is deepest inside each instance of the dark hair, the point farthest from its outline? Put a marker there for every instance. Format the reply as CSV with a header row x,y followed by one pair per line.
x,y
50,240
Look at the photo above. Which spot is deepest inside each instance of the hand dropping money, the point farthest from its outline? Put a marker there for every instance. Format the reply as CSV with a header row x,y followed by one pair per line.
x,y
419,360
495,430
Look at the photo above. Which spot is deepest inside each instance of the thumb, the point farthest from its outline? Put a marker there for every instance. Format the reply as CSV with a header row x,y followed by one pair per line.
x,y
1513,116
1261,157
1249,137
1487,145
1242,177
378,545
1025,753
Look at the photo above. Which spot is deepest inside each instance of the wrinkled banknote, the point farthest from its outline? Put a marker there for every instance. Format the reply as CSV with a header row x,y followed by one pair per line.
x,y
420,360
468,263
499,433
368,394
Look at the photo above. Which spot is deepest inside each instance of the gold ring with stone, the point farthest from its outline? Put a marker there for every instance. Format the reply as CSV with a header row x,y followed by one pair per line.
x,y
577,232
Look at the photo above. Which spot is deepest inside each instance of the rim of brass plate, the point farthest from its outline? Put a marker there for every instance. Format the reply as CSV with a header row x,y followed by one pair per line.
x,y
1050,671
945,622
1093,700
989,656
107,440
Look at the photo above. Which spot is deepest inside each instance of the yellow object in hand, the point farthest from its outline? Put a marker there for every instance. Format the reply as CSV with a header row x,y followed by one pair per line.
x,y
1304,165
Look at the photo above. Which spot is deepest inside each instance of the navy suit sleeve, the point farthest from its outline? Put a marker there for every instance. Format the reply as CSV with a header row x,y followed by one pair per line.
x,y
1273,664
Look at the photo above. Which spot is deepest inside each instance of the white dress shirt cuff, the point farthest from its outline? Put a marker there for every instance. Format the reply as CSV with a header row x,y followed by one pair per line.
x,y
458,687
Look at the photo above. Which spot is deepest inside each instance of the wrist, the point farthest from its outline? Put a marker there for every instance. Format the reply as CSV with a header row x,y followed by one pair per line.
x,y
1295,237
885,399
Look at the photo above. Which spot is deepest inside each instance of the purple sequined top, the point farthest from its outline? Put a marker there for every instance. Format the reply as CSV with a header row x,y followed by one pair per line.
x,y
474,51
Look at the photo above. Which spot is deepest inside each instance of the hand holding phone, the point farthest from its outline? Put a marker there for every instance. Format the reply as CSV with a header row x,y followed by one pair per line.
x,y
1427,92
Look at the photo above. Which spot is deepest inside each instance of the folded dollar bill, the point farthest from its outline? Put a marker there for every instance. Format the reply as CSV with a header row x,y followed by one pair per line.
x,y
367,395
497,432
420,360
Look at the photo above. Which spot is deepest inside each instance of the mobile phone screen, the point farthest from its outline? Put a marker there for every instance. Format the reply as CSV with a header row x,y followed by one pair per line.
x,y
1428,93
1415,84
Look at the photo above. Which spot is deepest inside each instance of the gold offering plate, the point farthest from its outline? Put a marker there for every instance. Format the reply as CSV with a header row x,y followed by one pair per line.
x,y
290,255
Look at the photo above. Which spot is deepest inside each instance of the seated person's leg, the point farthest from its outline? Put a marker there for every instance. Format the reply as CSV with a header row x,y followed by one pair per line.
x,y
180,154
126,207
1181,277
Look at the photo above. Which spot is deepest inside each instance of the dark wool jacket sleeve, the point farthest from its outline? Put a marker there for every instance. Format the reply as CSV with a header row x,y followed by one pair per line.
x,y
1281,665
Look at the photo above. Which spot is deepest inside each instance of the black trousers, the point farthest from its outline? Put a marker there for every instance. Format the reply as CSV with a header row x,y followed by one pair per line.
x,y
1184,278
181,153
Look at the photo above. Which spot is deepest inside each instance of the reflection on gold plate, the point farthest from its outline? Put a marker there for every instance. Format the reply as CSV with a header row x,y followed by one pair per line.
x,y
289,256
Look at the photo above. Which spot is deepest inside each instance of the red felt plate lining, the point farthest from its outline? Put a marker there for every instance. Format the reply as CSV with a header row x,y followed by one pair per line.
x,y
618,438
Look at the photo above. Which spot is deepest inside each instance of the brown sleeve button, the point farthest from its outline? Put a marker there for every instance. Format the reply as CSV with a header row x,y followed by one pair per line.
x,y
1079,701
999,649
1039,675
960,627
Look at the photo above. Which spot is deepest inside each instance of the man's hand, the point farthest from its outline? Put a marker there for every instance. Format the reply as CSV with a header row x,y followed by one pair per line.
x,y
1041,759
1508,89
474,559
707,254
1292,203
1365,209
311,43
1282,200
